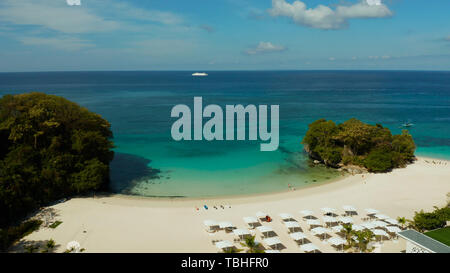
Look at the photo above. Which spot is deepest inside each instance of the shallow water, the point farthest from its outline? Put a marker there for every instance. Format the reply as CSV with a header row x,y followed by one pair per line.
x,y
148,162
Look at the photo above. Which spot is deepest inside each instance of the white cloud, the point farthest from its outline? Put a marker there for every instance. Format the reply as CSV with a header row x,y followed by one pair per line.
x,y
54,15
62,43
323,17
124,10
373,2
98,16
73,2
265,47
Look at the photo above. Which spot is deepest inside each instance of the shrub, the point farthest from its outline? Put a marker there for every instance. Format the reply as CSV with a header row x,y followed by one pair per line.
x,y
378,161
55,224
431,220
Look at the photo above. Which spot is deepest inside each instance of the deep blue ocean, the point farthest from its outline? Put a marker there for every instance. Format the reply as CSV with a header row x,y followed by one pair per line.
x,y
148,162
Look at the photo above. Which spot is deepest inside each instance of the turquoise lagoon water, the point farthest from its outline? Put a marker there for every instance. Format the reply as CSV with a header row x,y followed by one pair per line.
x,y
149,163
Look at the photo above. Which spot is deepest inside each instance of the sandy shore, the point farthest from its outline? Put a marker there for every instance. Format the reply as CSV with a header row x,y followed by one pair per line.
x,y
131,224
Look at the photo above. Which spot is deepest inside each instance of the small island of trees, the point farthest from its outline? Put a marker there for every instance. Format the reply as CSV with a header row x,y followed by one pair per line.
x,y
50,148
354,142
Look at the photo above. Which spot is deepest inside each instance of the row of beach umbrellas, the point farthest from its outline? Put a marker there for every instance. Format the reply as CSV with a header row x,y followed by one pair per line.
x,y
383,221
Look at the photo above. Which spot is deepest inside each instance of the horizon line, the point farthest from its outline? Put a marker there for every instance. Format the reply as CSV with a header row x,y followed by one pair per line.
x,y
230,70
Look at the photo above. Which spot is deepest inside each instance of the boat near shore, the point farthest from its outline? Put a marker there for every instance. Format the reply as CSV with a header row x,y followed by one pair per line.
x,y
199,74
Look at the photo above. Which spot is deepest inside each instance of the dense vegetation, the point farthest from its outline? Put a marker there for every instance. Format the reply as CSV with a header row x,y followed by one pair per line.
x,y
424,221
357,239
354,142
50,148
12,234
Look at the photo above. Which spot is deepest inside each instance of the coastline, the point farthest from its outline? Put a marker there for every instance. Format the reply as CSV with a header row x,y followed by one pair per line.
x,y
118,223
238,198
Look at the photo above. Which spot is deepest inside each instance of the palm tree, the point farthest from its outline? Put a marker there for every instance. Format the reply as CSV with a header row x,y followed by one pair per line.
x,y
50,245
348,233
364,238
402,221
232,250
251,245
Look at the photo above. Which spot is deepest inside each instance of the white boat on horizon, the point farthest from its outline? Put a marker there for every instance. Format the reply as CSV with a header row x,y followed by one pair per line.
x,y
199,74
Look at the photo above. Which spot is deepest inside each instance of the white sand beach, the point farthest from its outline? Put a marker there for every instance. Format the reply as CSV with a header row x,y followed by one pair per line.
x,y
131,224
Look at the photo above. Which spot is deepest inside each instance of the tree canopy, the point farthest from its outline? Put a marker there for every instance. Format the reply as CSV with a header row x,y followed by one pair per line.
x,y
355,142
50,148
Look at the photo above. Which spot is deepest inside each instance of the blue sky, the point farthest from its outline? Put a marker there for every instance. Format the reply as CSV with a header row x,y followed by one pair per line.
x,y
50,35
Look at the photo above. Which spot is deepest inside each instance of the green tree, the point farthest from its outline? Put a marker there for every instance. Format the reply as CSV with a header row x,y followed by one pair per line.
x,y
251,245
347,230
50,148
378,161
424,221
50,244
358,143
402,221
363,238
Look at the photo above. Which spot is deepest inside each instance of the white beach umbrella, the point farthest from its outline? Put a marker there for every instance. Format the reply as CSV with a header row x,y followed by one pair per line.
x,y
225,224
380,232
382,216
264,229
309,248
250,220
307,213
286,216
393,229
368,225
73,246
379,223
371,211
241,232
357,227
224,244
210,223
346,220
313,222
328,210
337,228
349,208
297,236
292,225
261,214
273,241
391,221
336,241
320,231
329,219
